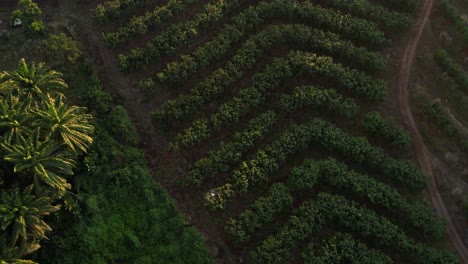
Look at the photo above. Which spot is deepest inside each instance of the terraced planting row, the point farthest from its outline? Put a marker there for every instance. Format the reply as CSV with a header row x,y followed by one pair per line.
x,y
265,100
453,75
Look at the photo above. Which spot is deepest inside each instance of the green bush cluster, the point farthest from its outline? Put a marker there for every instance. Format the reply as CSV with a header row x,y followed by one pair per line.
x,y
360,151
30,15
342,248
41,141
222,159
123,215
112,9
276,249
332,173
351,215
261,212
389,20
60,49
434,110
465,145
264,162
386,128
319,97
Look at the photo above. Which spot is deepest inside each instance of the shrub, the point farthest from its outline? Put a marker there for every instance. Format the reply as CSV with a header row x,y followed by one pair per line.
x,y
61,49
388,129
435,111
30,14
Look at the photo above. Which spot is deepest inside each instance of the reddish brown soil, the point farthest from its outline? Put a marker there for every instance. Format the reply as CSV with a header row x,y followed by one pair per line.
x,y
423,155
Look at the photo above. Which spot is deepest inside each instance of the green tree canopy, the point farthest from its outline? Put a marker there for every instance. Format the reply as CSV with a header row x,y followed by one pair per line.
x,y
41,138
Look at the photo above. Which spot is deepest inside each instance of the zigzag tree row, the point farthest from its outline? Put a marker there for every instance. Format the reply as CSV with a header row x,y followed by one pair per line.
x,y
330,172
328,209
140,25
213,86
278,73
242,24
320,133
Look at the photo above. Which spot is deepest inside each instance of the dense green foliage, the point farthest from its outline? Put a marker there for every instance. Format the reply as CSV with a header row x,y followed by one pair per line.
x,y
386,128
342,248
329,172
112,9
263,211
41,139
119,213
388,20
316,96
60,49
30,15
228,154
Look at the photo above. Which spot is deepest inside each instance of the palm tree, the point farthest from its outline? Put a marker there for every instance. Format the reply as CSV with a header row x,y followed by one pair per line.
x,y
31,81
44,158
21,220
12,255
15,120
67,124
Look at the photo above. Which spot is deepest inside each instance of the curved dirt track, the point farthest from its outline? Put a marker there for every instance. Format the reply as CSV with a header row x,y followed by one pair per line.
x,y
422,153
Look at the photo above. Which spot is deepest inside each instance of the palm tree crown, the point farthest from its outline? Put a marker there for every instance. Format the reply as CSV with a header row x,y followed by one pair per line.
x,y
31,81
15,119
66,123
20,216
45,159
40,140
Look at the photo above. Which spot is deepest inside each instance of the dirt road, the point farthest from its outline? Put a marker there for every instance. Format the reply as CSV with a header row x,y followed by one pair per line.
x,y
422,153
